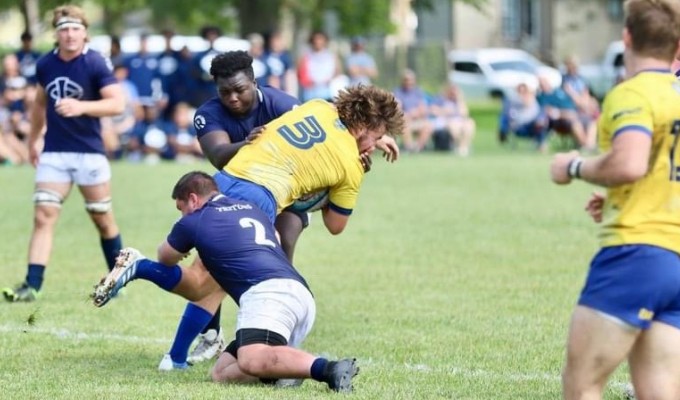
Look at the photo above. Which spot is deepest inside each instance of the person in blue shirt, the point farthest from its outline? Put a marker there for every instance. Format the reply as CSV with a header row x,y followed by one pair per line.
x,y
241,253
28,58
76,87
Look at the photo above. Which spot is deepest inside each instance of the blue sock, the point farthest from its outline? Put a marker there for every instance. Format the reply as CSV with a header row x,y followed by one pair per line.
x,y
214,322
318,370
193,321
111,248
165,277
34,277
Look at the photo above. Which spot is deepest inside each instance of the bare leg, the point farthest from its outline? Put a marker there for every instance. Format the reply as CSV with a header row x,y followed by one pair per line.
x,y
655,363
596,345
44,221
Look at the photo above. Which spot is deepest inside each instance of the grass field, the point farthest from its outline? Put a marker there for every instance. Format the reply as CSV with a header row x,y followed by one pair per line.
x,y
454,280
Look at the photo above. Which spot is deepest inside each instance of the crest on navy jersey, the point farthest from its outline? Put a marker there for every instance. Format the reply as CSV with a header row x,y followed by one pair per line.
x,y
62,88
199,122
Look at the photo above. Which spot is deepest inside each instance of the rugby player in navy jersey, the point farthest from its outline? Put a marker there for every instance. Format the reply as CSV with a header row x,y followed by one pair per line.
x,y
241,252
75,88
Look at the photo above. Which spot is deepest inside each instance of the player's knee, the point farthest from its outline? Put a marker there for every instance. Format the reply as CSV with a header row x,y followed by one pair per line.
x,y
102,206
253,360
47,198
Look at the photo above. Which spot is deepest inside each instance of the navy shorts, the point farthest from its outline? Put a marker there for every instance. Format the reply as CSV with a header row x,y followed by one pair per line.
x,y
241,189
635,283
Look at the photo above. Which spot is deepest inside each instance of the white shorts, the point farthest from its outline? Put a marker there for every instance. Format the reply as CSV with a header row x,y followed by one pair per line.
x,y
83,169
284,306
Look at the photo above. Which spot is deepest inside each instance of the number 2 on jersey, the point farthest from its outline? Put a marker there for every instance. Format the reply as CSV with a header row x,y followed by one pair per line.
x,y
675,169
260,231
304,134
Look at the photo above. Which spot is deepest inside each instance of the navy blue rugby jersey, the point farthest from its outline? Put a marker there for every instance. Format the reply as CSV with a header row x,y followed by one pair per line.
x,y
271,103
236,242
81,78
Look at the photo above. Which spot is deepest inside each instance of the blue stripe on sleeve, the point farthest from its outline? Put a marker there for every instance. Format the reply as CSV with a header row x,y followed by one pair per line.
x,y
638,128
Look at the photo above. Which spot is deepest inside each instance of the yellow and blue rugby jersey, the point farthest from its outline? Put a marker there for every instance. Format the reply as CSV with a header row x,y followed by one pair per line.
x,y
646,211
303,151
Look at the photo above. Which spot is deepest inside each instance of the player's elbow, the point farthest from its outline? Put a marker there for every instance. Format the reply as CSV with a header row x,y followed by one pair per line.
x,y
335,222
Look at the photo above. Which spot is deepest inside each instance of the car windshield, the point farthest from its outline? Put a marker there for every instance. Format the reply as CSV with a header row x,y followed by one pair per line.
x,y
514,65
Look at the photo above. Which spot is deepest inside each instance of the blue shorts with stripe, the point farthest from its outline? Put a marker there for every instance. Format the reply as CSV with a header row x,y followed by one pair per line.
x,y
241,189
635,283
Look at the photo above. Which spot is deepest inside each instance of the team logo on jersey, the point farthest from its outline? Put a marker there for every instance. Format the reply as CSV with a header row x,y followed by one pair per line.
x,y
199,122
63,88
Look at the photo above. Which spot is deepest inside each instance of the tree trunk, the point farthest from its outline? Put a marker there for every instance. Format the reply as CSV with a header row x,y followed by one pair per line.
x,y
30,11
254,18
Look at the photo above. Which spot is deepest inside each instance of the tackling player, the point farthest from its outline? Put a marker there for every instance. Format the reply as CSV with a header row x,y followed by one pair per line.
x,y
238,244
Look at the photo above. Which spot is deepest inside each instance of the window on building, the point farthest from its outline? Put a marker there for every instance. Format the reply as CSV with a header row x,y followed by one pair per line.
x,y
615,9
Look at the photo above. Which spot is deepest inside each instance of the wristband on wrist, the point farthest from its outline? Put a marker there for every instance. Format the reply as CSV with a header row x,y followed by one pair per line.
x,y
574,168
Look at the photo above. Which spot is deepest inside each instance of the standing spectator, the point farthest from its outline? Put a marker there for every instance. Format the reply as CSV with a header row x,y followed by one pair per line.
x,y
280,65
116,52
28,58
182,84
75,89
168,62
260,66
360,65
200,69
450,112
143,69
416,115
317,68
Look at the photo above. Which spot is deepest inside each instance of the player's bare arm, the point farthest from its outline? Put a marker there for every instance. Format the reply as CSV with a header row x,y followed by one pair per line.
x,y
37,126
218,148
595,205
112,103
626,162
167,254
334,221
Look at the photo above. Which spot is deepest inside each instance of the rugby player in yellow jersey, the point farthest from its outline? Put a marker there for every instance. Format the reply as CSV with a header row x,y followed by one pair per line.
x,y
312,147
629,307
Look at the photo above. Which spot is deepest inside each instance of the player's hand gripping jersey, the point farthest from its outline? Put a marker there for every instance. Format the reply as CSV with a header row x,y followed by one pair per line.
x,y
647,211
304,150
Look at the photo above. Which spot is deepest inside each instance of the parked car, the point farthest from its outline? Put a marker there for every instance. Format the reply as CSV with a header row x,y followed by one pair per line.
x,y
601,77
156,43
496,72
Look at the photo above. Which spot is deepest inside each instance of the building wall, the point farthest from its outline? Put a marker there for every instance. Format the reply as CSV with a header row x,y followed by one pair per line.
x,y
473,28
578,27
585,33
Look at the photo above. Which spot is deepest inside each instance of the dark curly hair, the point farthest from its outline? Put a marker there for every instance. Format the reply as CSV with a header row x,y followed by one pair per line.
x,y
370,107
228,64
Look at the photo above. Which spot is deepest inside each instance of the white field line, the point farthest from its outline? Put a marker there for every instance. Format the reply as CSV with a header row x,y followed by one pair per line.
x,y
66,334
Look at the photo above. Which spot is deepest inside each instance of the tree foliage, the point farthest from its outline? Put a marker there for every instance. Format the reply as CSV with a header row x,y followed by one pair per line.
x,y
355,17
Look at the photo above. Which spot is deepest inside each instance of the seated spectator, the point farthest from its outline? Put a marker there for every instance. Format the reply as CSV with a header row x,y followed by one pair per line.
x,y
450,112
586,105
416,116
562,114
117,130
149,136
523,116
182,135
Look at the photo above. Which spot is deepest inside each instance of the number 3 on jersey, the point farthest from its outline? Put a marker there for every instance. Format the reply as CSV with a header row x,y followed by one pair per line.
x,y
304,134
675,169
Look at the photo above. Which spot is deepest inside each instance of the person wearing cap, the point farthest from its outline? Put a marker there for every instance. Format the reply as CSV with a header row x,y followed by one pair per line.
x,y
76,87
360,65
